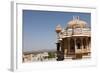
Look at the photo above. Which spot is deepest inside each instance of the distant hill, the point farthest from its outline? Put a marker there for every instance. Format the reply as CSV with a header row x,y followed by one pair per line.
x,y
39,51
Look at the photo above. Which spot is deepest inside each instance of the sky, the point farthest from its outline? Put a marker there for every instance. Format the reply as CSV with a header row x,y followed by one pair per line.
x,y
39,28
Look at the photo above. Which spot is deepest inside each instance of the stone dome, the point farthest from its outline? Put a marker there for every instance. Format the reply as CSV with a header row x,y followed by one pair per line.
x,y
58,28
77,23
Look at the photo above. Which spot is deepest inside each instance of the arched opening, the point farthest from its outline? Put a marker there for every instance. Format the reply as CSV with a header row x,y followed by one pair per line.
x,y
84,43
72,46
78,43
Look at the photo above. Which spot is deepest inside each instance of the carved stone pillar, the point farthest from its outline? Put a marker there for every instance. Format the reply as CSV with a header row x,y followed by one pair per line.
x,y
90,43
87,43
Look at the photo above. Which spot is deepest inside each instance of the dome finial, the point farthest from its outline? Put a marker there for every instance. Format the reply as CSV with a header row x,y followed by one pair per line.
x,y
75,17
78,17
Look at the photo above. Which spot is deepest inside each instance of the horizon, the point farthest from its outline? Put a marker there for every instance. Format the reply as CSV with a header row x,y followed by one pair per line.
x,y
46,50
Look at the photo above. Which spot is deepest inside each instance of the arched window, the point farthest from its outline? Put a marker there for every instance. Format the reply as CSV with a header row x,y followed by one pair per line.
x,y
84,43
72,44
78,43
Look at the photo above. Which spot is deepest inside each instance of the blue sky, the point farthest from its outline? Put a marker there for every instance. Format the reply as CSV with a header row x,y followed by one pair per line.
x,y
39,27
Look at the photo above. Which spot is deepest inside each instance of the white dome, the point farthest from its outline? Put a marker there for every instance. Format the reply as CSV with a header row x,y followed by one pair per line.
x,y
77,23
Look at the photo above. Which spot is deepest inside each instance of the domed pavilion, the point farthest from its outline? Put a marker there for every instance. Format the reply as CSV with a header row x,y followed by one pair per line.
x,y
74,41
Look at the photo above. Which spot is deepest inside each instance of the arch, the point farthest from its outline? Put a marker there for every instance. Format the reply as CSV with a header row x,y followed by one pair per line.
x,y
72,46
84,43
78,43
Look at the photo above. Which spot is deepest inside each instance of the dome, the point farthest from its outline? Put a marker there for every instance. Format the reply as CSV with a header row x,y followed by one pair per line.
x,y
77,23
58,28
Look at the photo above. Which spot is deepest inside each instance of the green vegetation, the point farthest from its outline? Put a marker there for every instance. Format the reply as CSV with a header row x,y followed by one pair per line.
x,y
51,55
